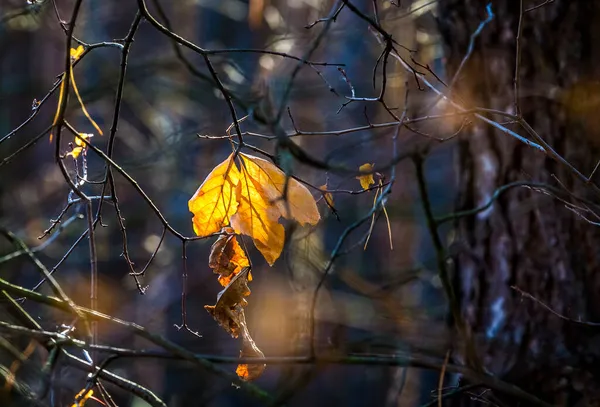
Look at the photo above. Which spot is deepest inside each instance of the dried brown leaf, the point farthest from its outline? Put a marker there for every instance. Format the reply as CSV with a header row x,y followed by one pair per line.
x,y
227,258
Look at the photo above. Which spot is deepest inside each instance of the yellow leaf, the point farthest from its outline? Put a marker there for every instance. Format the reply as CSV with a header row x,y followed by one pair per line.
x,y
227,258
297,204
76,53
257,217
75,152
251,200
85,136
366,180
214,202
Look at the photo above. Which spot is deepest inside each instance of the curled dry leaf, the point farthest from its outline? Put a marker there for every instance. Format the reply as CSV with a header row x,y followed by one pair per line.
x,y
252,371
366,180
229,313
227,258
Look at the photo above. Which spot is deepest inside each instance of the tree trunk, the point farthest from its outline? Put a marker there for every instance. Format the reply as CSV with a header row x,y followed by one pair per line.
x,y
529,239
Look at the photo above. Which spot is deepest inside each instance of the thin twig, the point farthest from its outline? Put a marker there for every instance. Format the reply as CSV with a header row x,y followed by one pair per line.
x,y
571,320
518,60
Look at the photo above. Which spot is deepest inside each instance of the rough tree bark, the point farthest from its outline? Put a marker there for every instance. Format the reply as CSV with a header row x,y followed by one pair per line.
x,y
528,239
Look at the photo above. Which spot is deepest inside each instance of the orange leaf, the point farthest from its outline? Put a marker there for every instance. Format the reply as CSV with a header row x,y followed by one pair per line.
x,y
252,200
296,203
366,180
214,202
257,217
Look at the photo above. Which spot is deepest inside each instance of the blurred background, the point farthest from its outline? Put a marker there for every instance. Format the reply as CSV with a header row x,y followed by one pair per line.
x,y
377,300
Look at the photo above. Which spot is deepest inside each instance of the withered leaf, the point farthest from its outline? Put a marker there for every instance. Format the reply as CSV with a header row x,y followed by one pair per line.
x,y
250,371
227,258
366,180
228,311
327,195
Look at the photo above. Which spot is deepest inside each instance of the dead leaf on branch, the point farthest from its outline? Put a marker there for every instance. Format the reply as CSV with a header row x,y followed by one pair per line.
x,y
227,258
247,371
327,196
229,313
249,199
366,180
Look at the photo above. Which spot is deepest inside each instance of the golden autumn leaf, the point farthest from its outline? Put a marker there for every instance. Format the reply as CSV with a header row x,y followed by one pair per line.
x,y
258,218
85,136
366,180
297,204
214,202
251,200
227,258
79,145
75,152
76,53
